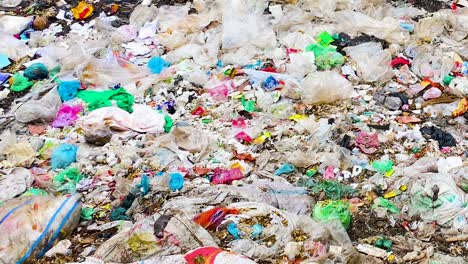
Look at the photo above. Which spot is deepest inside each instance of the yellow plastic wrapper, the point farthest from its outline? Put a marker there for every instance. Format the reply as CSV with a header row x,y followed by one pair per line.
x,y
462,108
82,11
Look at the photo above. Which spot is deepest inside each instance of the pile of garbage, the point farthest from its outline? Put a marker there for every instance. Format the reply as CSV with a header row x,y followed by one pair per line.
x,y
234,131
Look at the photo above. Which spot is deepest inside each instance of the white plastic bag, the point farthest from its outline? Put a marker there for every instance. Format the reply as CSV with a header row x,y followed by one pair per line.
x,y
388,28
14,182
243,23
12,47
325,87
14,24
43,109
144,119
373,63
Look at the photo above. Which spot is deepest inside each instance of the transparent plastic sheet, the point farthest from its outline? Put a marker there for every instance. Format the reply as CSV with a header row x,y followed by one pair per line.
x,y
14,182
143,13
388,28
432,63
43,109
139,242
373,63
31,225
430,27
282,226
110,71
14,24
143,119
325,87
12,47
244,23
441,205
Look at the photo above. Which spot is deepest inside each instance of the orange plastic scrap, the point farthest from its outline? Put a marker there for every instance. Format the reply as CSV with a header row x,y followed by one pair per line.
x,y
82,11
212,218
462,108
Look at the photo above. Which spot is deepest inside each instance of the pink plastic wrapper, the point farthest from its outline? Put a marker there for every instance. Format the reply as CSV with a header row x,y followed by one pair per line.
x,y
243,137
367,143
239,123
220,92
67,115
222,176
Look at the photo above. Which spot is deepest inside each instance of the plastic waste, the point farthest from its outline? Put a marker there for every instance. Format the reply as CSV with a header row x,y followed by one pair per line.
x,y
373,63
37,222
445,139
333,210
20,154
12,47
436,197
67,115
63,156
157,65
143,119
19,83
14,182
82,11
367,143
67,180
324,87
37,71
43,109
98,99
68,89
223,176
140,242
214,255
10,3
176,181
285,169
387,28
14,24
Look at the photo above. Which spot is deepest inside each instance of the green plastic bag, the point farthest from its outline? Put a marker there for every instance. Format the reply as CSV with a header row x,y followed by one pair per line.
x,y
326,58
333,210
333,189
382,202
98,99
67,179
20,83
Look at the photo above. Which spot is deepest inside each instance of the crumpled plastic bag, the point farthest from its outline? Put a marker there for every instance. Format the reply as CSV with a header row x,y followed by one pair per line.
x,y
63,155
20,154
191,139
215,255
43,109
243,23
144,119
388,28
14,182
31,225
67,115
278,232
436,197
14,24
324,87
149,237
12,47
373,63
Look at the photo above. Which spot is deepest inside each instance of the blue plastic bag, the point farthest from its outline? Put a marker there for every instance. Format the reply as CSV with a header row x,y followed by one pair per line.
x,y
176,181
234,230
157,65
68,89
63,156
285,169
